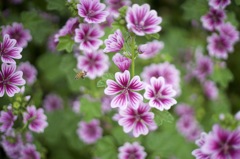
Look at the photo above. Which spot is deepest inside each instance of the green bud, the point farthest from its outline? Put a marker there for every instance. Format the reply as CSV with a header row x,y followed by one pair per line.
x,y
16,105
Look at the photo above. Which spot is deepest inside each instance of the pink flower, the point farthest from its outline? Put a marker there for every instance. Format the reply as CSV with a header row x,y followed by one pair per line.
x,y
115,42
184,109
125,88
95,63
29,152
229,31
122,62
210,90
88,36
106,104
7,120
150,49
115,5
219,46
219,3
160,94
9,80
213,19
139,120
36,118
204,67
52,102
92,11
17,32
8,51
90,132
29,72
141,20
129,151
198,152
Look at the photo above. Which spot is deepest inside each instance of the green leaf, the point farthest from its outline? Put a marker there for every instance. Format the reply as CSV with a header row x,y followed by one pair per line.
x,y
58,5
222,76
105,77
90,109
154,36
65,43
237,2
162,116
105,148
232,18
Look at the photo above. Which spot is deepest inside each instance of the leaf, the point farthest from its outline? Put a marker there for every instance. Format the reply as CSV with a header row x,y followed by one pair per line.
x,y
105,148
222,76
65,43
105,77
58,5
154,36
162,116
237,2
90,109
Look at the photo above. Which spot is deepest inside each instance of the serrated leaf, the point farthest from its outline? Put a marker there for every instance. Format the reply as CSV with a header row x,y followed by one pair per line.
x,y
222,76
162,116
105,77
90,109
105,148
65,43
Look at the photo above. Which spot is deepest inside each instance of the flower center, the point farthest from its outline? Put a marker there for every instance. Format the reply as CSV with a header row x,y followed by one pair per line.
x,y
140,26
226,148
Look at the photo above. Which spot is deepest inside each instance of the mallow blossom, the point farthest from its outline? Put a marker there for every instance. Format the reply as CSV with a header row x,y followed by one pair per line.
x,y
210,90
29,72
204,67
141,20
7,120
131,151
9,80
92,11
9,50
52,102
29,152
125,88
122,62
115,5
150,49
219,3
160,94
228,31
138,121
115,42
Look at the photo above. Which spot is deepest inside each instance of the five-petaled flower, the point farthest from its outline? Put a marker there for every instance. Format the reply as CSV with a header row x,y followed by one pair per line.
x,y
115,42
125,88
131,151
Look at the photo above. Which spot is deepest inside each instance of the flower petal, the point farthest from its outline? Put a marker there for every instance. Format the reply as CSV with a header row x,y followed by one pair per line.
x,y
123,78
140,128
8,70
112,88
120,101
11,90
134,99
136,84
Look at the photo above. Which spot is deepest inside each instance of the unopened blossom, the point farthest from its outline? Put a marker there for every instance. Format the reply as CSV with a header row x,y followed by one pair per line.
x,y
222,144
219,46
138,121
92,11
6,120
122,62
29,152
16,31
141,20
88,36
210,90
150,49
131,151
95,63
115,5
29,72
213,19
115,42
184,109
125,88
9,50
204,67
52,102
36,118
228,31
89,132
160,94
219,3
9,80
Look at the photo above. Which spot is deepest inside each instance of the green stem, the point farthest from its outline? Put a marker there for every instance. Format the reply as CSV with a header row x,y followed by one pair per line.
x,y
133,54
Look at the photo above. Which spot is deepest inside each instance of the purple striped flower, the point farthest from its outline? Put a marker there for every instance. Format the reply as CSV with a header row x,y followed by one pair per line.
x,y
29,72
88,36
8,50
141,20
198,152
204,67
213,19
139,120
92,11
115,5
29,152
36,118
150,49
9,80
17,32
184,109
52,102
219,46
219,3
229,31
210,90
7,120
122,62
115,42
160,94
95,63
125,88
90,132
131,151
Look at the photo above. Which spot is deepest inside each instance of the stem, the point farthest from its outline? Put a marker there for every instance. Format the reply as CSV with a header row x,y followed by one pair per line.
x,y
133,54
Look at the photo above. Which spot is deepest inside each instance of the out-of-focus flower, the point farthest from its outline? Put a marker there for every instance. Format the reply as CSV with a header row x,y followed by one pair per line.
x,y
150,49
8,50
227,30
115,5
75,105
184,109
52,102
204,67
219,4
198,152
134,150
210,90
7,120
213,19
139,120
92,11
141,20
29,72
17,32
95,63
160,94
89,132
9,80
88,36
106,104
29,152
125,87
115,42
36,119
122,62
237,116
